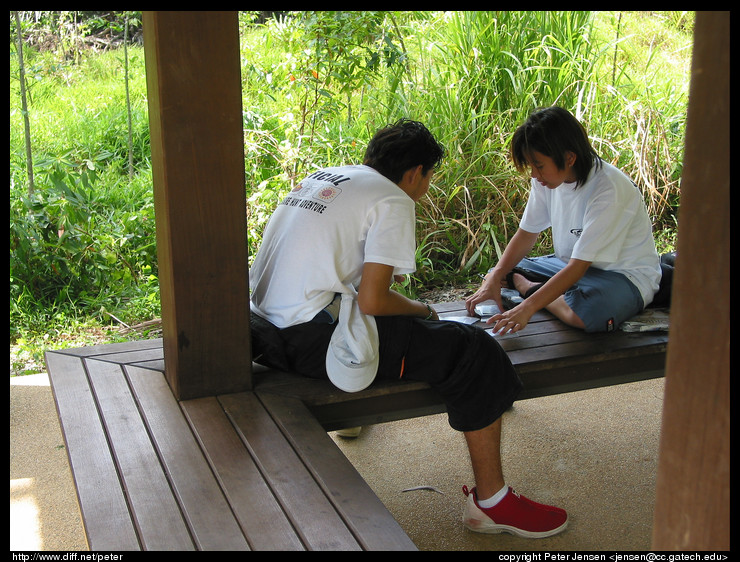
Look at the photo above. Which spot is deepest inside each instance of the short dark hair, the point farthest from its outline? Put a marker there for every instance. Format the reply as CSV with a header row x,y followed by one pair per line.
x,y
553,131
401,146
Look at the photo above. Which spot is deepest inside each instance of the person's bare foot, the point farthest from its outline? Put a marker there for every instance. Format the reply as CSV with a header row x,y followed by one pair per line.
x,y
522,284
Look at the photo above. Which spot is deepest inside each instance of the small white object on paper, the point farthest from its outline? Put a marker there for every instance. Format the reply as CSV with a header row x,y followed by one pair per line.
x,y
486,309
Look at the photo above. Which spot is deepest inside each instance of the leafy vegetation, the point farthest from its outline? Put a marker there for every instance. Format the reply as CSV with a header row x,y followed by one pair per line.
x,y
316,85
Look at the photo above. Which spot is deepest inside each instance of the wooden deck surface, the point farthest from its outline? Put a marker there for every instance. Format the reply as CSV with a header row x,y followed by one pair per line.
x,y
256,470
550,358
232,472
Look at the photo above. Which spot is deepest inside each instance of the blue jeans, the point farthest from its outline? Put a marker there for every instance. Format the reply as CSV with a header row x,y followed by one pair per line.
x,y
602,299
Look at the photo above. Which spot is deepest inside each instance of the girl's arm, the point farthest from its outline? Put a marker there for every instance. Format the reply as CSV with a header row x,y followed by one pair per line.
x,y
546,297
518,248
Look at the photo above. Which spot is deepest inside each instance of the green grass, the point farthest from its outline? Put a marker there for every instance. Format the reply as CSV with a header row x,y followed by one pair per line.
x,y
82,244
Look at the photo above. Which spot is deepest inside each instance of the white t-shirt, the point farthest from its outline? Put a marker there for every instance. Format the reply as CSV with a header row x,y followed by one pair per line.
x,y
603,221
320,236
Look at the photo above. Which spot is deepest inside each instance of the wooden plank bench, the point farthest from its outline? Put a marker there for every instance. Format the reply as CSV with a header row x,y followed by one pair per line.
x,y
256,470
232,472
549,356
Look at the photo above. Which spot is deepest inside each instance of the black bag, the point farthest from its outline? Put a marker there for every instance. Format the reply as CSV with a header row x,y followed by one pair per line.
x,y
662,298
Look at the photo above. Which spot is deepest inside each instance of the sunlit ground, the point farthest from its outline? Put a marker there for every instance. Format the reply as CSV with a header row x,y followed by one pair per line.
x,y
43,508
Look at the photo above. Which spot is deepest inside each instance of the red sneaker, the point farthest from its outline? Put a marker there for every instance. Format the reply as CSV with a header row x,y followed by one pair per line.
x,y
514,514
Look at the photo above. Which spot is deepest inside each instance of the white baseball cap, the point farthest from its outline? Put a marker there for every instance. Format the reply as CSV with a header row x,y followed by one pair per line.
x,y
352,358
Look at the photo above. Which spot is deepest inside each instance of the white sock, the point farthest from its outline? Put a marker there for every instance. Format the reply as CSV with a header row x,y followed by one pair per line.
x,y
495,498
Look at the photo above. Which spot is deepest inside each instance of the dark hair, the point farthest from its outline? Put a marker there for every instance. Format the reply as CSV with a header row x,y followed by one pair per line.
x,y
553,131
402,146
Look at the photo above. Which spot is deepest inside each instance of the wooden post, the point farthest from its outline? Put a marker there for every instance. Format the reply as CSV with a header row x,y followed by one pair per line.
x,y
692,510
195,116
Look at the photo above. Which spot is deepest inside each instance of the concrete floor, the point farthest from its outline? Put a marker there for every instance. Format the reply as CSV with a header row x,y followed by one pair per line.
x,y
593,453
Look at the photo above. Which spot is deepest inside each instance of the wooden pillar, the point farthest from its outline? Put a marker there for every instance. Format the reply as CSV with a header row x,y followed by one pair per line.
x,y
195,116
692,510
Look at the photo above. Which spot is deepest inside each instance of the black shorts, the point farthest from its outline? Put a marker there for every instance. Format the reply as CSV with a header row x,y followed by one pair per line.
x,y
468,367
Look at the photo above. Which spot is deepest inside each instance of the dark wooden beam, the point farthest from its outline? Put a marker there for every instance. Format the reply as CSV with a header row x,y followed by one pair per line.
x,y
692,510
195,115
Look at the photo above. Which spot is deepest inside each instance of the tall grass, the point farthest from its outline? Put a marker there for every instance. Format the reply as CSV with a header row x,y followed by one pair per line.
x,y
477,81
82,243
473,77
495,68
315,88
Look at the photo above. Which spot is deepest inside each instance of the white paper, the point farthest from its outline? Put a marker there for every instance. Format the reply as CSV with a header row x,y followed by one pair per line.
x,y
499,336
461,319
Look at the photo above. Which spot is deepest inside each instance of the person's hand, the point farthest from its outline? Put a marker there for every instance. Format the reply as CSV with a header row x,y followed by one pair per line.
x,y
511,321
490,289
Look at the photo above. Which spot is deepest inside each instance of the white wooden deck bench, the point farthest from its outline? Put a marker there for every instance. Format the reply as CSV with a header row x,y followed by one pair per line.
x,y
256,470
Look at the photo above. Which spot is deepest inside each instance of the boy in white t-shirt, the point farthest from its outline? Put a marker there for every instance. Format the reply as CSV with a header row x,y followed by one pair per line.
x,y
605,268
322,306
